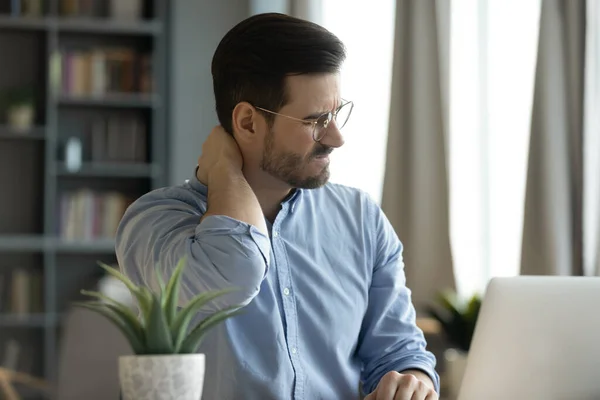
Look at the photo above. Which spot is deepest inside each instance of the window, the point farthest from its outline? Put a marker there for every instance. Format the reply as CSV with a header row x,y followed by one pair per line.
x,y
493,48
368,33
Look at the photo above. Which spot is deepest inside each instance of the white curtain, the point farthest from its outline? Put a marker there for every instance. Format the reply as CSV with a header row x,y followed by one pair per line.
x,y
368,33
415,193
493,46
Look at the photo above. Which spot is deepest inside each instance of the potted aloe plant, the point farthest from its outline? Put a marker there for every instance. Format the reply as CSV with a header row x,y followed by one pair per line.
x,y
165,364
457,317
19,107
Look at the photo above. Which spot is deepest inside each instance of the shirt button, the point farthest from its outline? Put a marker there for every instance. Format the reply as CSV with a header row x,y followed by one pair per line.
x,y
275,234
286,291
294,351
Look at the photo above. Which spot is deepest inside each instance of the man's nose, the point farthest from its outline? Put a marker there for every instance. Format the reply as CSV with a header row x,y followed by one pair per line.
x,y
333,136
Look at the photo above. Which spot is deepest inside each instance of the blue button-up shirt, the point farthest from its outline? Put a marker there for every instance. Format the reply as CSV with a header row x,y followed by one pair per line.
x,y
326,305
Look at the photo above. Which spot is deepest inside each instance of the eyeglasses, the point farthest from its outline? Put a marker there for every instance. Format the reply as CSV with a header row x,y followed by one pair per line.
x,y
320,124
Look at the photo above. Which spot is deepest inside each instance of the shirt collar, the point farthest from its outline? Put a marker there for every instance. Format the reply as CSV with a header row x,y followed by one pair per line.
x,y
196,184
292,200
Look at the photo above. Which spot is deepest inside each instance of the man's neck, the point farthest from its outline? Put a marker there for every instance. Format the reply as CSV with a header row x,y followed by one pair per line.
x,y
269,192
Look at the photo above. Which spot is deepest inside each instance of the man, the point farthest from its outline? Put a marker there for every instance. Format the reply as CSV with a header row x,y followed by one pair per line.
x,y
318,266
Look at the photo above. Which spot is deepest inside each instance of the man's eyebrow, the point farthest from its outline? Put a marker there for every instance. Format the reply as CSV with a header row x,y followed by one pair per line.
x,y
319,113
315,115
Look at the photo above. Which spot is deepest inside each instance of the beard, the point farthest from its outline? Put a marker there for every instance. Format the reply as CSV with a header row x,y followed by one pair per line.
x,y
289,167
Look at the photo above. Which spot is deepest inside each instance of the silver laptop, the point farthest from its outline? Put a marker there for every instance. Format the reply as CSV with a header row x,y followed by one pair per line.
x,y
536,338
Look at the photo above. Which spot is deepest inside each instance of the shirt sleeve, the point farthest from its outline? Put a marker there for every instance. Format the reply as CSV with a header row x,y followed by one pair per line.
x,y
164,226
390,338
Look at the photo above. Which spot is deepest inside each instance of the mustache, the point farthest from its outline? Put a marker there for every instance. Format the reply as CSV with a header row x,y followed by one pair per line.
x,y
321,151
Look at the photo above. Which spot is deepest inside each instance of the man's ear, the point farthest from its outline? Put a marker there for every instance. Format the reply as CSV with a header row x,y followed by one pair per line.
x,y
244,121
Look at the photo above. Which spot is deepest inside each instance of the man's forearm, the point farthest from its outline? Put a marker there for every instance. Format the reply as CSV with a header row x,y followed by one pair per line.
x,y
420,375
230,194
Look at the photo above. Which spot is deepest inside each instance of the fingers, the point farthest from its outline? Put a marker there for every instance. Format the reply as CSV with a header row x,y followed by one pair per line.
x,y
396,386
219,151
371,396
408,388
218,130
432,396
388,386
420,392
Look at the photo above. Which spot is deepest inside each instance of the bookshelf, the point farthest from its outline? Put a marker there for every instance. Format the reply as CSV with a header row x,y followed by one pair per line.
x,y
97,140
34,133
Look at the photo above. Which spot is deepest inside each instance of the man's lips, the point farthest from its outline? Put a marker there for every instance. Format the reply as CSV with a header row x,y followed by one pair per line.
x,y
323,154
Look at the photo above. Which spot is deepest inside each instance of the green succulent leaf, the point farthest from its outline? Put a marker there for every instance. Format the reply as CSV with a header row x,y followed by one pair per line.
x,y
449,300
118,320
195,337
161,327
172,294
147,295
472,308
158,335
161,284
179,326
125,312
457,317
142,299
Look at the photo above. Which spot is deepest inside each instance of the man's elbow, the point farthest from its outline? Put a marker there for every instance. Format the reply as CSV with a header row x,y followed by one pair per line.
x,y
217,257
210,269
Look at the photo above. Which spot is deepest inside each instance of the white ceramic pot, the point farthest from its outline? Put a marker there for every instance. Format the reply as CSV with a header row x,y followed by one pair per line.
x,y
455,363
20,117
162,377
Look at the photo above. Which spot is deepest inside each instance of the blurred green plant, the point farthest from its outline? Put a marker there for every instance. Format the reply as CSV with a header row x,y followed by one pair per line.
x,y
457,317
160,328
17,96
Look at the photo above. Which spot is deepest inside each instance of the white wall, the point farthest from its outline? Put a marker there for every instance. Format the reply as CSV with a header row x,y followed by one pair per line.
x,y
196,28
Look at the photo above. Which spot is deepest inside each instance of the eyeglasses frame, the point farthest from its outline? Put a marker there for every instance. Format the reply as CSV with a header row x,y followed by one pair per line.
x,y
331,115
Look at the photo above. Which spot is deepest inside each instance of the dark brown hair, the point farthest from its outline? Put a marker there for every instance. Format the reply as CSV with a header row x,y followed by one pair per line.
x,y
253,59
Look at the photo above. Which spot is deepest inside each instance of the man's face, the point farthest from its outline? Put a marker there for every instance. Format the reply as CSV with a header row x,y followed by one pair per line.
x,y
290,154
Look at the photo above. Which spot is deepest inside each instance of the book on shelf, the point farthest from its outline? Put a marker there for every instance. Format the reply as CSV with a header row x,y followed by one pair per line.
x,y
21,291
83,8
26,8
107,139
15,8
17,357
88,215
116,9
10,358
103,71
117,139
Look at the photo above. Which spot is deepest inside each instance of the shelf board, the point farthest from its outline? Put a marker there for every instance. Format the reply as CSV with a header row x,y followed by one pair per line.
x,y
103,26
34,133
24,23
108,26
84,246
27,320
40,243
18,243
111,170
121,100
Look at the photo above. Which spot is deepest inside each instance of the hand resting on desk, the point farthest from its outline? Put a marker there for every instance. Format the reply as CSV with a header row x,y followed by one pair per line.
x,y
404,386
